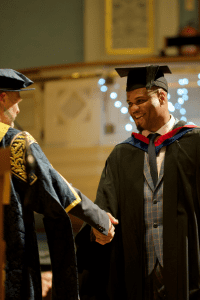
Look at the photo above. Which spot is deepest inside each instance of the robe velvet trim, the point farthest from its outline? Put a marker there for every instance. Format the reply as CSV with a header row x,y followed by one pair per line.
x,y
139,141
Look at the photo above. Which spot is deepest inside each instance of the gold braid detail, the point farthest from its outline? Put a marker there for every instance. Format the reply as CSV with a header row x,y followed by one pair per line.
x,y
17,158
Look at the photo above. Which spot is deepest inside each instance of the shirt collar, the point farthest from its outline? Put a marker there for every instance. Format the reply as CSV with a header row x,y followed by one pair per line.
x,y
164,129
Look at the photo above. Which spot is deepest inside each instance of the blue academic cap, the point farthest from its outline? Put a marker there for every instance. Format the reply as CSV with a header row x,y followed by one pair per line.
x,y
13,81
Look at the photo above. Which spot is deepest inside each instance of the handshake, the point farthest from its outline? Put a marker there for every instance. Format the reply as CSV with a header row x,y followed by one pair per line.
x,y
104,239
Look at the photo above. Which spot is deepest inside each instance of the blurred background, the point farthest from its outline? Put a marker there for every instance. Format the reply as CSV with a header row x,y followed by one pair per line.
x,y
70,49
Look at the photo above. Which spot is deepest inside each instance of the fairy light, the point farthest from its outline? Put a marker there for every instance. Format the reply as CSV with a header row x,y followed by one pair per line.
x,y
117,104
124,110
101,81
128,127
104,88
113,95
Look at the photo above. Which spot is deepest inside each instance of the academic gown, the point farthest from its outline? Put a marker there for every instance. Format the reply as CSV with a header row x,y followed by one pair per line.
x,y
46,192
116,270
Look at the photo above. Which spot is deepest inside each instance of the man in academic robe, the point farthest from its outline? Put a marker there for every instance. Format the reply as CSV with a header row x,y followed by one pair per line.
x,y
37,186
151,184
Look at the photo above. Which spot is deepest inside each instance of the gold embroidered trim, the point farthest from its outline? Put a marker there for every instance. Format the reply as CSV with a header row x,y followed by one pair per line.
x,y
25,136
17,159
3,130
76,201
73,204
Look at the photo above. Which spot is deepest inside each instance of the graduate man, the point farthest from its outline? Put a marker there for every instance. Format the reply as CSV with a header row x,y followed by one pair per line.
x,y
37,186
150,183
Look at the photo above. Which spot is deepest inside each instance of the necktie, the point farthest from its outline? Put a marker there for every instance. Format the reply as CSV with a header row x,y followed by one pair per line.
x,y
152,157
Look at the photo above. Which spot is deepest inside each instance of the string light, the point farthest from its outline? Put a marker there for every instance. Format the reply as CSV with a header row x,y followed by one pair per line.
x,y
171,107
185,97
104,88
185,91
177,106
101,81
180,101
183,81
128,127
124,110
113,95
182,111
184,119
117,104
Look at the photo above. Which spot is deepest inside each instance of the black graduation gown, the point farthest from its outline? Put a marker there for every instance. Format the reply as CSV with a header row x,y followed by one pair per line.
x,y
116,270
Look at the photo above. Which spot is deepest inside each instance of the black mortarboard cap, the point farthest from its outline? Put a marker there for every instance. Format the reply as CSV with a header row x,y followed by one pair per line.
x,y
141,77
13,81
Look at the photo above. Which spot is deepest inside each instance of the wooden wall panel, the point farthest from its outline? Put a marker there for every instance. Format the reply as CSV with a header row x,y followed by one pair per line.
x,y
80,166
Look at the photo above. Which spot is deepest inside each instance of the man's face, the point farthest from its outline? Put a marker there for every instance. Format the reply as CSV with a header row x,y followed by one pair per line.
x,y
144,108
11,107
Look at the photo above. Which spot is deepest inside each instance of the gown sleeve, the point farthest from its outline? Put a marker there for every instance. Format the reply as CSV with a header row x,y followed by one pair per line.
x,y
50,193
106,198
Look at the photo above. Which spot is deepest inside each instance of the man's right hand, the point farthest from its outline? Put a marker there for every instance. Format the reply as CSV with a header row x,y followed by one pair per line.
x,y
46,282
105,239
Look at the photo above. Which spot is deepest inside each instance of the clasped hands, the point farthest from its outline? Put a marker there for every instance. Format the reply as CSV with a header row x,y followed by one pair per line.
x,y
46,282
104,239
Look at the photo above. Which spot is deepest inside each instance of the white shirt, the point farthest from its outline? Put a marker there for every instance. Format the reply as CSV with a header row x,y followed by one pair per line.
x,y
163,130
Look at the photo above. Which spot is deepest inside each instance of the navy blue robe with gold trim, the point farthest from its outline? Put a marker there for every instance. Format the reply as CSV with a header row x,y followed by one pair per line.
x,y
50,196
